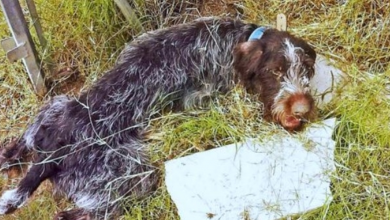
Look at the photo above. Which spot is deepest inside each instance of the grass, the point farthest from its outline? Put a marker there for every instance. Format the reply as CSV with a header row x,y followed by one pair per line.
x,y
85,37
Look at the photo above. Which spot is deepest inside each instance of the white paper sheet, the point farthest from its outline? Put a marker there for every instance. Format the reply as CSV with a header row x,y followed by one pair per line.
x,y
282,176
325,80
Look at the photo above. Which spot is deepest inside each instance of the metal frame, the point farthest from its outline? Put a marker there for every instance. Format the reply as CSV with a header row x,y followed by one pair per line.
x,y
21,45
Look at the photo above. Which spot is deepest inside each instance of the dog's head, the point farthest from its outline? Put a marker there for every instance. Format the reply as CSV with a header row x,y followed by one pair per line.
x,y
278,67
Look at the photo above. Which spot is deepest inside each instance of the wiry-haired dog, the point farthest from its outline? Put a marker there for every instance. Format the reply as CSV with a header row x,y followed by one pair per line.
x,y
91,147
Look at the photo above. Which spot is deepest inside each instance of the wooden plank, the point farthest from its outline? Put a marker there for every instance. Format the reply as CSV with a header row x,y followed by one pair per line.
x,y
281,22
22,37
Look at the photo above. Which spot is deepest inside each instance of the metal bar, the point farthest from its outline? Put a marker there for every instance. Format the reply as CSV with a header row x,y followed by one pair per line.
x,y
18,26
37,24
50,66
130,15
8,44
17,53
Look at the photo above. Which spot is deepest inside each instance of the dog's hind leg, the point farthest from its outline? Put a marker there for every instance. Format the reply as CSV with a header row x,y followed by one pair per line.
x,y
15,198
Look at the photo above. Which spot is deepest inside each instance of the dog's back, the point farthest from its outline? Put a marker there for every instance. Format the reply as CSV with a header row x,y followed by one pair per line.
x,y
91,147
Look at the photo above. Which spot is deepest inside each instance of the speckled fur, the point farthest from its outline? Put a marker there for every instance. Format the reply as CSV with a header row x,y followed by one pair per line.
x,y
91,147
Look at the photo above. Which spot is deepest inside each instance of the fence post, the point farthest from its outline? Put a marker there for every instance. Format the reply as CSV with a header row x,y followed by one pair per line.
x,y
20,45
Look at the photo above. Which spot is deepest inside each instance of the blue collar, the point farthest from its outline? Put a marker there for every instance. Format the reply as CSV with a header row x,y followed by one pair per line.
x,y
257,34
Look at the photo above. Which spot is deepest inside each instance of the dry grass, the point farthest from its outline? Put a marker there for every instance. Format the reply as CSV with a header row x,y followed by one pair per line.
x,y
85,38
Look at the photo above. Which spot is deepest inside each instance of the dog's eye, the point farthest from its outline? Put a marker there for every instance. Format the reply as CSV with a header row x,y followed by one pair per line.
x,y
278,74
310,71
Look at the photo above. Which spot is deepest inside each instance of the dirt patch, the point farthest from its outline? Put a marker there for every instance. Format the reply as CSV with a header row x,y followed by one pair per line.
x,y
229,8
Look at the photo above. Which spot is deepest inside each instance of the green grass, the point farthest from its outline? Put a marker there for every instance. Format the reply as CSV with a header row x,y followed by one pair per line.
x,y
229,119
85,37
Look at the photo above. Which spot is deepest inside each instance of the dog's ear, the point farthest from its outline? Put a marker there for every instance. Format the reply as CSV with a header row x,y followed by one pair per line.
x,y
247,57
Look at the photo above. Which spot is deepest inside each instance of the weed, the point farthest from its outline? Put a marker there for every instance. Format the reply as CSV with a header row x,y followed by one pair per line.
x,y
85,37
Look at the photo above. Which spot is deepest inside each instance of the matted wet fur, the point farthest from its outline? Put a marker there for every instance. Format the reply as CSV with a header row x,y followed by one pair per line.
x,y
91,147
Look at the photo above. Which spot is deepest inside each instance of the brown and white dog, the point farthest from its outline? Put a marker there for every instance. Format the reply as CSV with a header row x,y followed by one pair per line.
x,y
91,148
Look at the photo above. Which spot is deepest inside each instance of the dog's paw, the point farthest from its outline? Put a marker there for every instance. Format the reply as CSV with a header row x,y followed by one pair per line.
x,y
7,151
7,209
11,155
10,201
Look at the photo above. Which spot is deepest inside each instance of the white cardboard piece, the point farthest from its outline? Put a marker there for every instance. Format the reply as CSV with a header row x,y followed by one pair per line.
x,y
278,177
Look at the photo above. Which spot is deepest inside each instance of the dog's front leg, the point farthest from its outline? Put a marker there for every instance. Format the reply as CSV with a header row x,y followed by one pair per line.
x,y
15,198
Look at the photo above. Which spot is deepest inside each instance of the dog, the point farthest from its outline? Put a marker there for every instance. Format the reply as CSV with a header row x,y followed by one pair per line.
x,y
92,148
